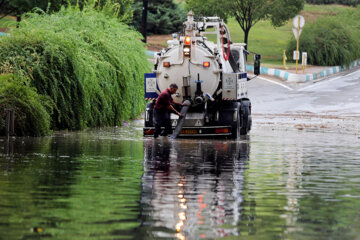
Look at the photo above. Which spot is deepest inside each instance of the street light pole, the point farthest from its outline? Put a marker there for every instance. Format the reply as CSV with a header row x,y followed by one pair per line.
x,y
144,19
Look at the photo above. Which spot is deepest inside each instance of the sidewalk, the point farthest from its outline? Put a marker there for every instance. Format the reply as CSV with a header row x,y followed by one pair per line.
x,y
311,73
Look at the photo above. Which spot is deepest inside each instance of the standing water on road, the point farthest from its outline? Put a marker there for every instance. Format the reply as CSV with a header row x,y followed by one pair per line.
x,y
113,184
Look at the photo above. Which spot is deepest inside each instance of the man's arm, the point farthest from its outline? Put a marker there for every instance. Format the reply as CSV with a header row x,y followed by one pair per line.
x,y
170,107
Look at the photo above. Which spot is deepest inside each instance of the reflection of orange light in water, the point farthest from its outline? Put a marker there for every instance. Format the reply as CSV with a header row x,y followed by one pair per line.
x,y
179,226
221,147
202,206
183,206
182,216
180,236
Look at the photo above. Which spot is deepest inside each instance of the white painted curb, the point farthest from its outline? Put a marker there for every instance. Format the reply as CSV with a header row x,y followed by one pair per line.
x,y
292,77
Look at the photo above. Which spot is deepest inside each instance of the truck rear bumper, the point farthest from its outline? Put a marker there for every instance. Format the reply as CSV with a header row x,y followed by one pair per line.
x,y
197,131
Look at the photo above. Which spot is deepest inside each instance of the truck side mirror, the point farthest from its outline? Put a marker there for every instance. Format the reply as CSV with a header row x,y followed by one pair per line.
x,y
257,58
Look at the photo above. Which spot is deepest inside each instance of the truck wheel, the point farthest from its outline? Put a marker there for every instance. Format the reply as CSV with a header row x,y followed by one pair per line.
x,y
245,117
149,113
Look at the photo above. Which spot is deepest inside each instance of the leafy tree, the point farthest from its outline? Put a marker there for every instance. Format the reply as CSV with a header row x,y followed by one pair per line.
x,y
164,16
18,7
207,8
248,12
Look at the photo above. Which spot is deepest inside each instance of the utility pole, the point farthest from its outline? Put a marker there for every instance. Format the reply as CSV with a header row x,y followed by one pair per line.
x,y
144,19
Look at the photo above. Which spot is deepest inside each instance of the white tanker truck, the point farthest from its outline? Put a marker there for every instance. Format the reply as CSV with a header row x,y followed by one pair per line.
x,y
211,75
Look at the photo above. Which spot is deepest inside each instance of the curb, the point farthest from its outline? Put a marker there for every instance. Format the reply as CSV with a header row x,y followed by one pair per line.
x,y
150,53
292,77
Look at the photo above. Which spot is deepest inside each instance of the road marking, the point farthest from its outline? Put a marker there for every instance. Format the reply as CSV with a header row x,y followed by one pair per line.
x,y
352,73
280,84
319,83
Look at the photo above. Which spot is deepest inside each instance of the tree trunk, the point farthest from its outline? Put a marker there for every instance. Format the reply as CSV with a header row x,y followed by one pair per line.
x,y
246,37
144,19
18,20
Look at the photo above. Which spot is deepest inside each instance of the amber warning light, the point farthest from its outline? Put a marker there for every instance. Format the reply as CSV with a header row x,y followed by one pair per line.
x,y
206,64
187,40
166,64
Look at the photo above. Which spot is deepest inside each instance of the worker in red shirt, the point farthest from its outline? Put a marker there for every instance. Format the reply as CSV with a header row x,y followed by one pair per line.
x,y
163,106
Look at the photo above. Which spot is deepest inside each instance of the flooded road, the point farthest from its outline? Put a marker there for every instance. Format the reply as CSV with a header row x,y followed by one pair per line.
x,y
113,184
331,105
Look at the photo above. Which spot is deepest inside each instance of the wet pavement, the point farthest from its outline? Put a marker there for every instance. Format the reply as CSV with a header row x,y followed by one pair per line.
x,y
331,105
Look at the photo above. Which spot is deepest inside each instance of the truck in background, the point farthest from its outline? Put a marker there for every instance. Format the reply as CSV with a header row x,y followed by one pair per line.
x,y
210,71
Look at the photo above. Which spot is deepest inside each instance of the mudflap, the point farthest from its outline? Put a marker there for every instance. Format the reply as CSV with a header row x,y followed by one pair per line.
x,y
245,117
229,113
149,114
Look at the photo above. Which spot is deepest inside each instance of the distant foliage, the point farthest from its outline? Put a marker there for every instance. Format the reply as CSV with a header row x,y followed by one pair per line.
x,y
208,8
119,8
32,110
90,65
18,7
328,42
164,16
247,13
343,2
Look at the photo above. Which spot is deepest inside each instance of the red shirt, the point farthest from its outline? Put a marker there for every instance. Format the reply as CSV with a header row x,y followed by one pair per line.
x,y
164,100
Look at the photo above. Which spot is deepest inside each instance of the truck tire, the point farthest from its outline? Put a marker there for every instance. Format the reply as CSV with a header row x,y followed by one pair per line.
x,y
245,117
150,112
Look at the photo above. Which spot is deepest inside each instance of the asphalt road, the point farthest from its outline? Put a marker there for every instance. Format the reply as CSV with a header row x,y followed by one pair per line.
x,y
332,104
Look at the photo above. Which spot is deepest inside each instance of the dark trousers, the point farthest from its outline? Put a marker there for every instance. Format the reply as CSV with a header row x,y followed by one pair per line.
x,y
162,119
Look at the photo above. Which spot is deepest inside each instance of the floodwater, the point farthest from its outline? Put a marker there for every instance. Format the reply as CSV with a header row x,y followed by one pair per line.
x,y
113,184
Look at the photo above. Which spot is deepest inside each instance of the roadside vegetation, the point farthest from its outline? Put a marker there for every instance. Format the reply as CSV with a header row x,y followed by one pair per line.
x,y
271,42
32,110
87,64
331,40
343,2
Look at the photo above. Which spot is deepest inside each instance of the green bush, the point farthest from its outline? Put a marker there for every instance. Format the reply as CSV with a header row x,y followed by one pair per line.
x,y
328,42
164,16
31,109
343,2
87,62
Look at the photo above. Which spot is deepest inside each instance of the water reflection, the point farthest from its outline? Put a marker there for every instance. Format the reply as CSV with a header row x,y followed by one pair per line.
x,y
193,188
117,185
70,186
